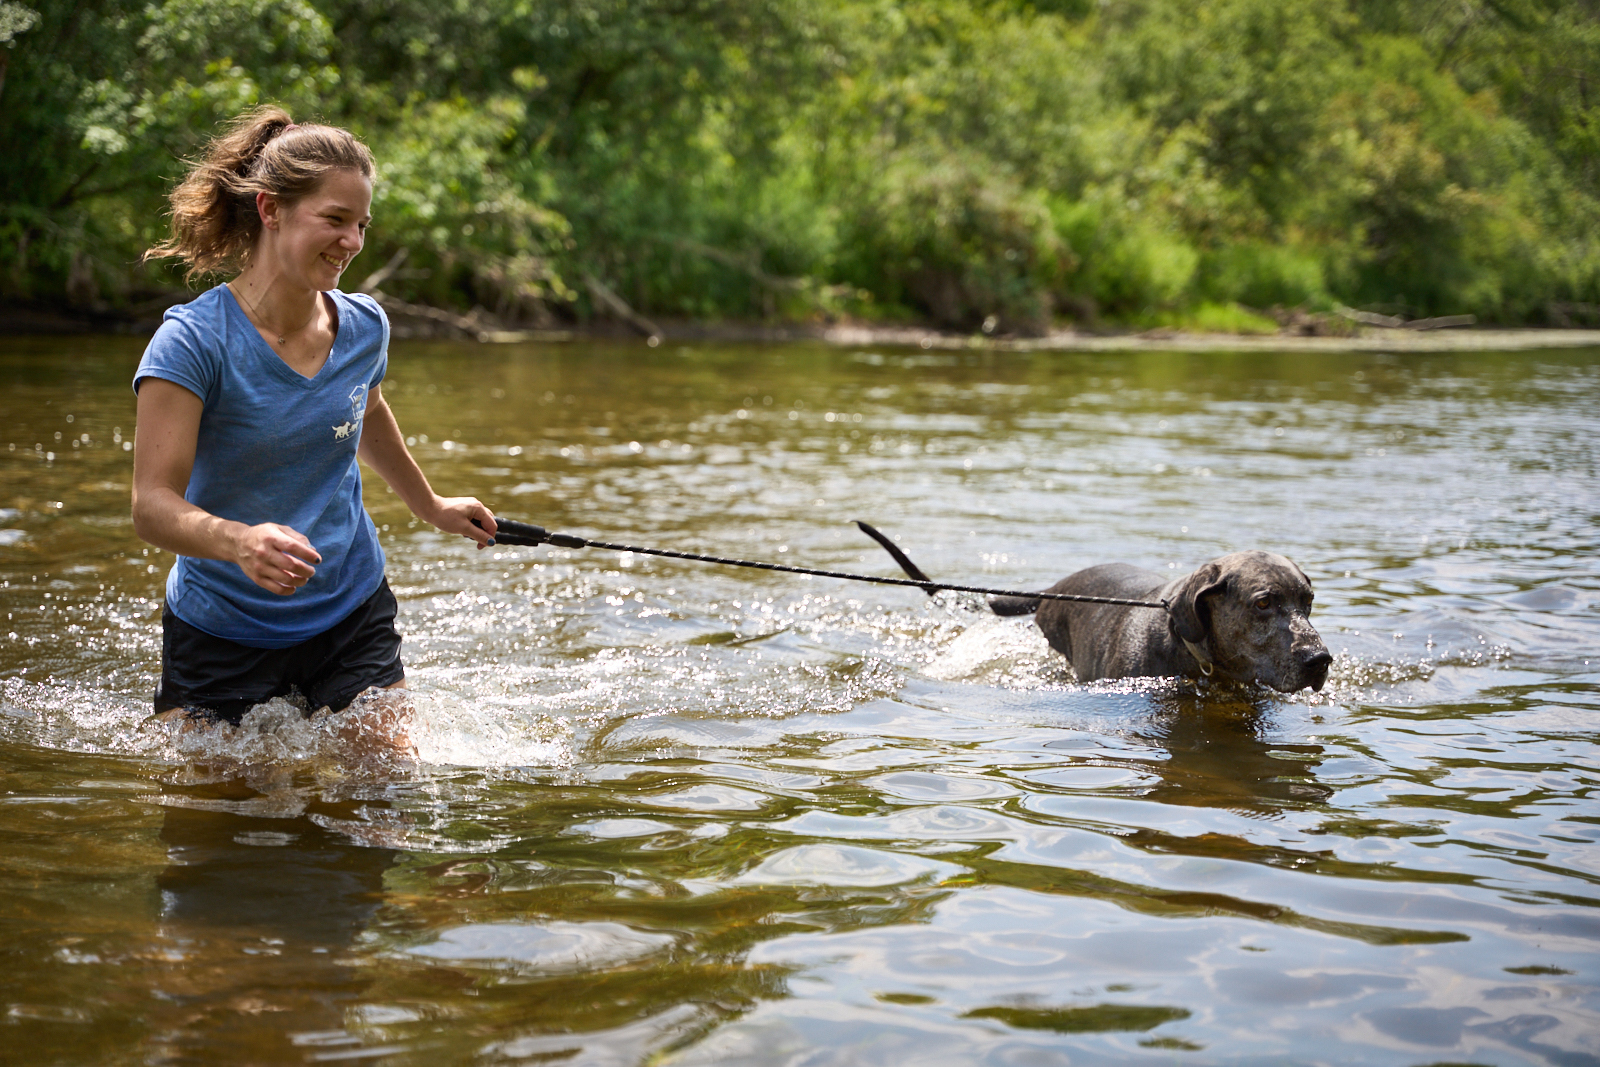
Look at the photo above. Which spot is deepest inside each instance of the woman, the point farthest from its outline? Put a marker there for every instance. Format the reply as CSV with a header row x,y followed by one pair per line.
x,y
254,401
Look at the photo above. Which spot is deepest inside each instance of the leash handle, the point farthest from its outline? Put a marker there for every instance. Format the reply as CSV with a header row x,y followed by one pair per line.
x,y
512,532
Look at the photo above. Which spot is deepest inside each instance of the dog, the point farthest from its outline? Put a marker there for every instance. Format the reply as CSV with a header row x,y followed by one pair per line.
x,y
1244,617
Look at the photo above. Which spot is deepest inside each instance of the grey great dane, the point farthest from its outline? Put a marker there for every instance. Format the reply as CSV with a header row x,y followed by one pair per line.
x,y
1244,617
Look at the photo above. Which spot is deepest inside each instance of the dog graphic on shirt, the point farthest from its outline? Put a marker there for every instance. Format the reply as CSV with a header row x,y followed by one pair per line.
x,y
358,409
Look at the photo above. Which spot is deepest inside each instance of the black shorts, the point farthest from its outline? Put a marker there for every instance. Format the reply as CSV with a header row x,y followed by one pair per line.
x,y
212,674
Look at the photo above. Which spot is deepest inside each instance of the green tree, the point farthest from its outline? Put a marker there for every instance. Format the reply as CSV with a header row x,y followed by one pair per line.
x,y
1001,163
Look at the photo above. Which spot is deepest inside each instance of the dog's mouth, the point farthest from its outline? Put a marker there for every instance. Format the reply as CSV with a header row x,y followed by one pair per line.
x,y
1312,675
1317,671
1314,684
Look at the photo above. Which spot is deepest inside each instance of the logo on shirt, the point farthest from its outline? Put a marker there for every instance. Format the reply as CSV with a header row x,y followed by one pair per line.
x,y
358,408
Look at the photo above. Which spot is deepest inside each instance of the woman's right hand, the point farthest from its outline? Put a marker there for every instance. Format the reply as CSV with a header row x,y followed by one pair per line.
x,y
277,558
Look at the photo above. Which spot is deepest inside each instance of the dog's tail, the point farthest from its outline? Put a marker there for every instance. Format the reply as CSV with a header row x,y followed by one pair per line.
x,y
1000,605
1014,605
894,550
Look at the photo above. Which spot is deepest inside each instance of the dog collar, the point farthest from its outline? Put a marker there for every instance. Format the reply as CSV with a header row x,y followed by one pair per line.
x,y
1200,655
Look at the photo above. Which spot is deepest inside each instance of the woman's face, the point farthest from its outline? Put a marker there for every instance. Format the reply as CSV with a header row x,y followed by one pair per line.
x,y
317,236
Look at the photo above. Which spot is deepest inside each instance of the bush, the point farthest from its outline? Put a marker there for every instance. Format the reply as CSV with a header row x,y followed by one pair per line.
x,y
1125,264
968,247
1264,276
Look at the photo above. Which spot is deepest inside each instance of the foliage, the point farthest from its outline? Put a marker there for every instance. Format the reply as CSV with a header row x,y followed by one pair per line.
x,y
998,164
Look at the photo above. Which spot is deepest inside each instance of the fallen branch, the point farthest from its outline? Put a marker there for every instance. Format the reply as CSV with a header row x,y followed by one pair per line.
x,y
1442,322
385,272
469,325
603,294
423,311
1392,322
1370,318
747,264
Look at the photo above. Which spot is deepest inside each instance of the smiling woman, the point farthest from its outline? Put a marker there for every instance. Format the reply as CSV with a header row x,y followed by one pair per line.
x,y
255,400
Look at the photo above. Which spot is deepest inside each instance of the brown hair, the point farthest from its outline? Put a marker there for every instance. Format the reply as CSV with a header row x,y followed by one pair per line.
x,y
214,218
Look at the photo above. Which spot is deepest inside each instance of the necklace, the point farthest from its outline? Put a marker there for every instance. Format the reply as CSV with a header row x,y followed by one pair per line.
x,y
255,316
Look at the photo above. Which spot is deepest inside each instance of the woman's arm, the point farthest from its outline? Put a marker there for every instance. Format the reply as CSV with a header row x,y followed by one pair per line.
x,y
384,450
275,557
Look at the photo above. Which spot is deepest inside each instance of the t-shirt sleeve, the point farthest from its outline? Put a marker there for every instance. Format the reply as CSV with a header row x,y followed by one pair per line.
x,y
380,366
177,353
380,321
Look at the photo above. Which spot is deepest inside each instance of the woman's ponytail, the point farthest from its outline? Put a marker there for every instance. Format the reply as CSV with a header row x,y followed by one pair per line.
x,y
215,222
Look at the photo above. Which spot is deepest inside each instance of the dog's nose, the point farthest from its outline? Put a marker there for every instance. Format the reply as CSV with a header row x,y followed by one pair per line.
x,y
1315,663
1316,660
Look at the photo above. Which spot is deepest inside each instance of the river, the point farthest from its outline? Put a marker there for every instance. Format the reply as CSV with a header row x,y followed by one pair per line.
x,y
672,813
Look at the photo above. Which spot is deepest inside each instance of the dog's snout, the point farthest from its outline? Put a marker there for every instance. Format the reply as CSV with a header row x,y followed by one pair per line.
x,y
1315,662
1316,659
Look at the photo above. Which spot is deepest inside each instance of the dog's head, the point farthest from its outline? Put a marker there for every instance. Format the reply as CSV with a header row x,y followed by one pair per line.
x,y
1250,611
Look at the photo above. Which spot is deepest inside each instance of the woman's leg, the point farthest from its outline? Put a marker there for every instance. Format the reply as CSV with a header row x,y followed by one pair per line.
x,y
361,652
212,677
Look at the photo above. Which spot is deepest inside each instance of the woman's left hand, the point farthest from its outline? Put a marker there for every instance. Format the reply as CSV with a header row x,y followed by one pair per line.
x,y
455,514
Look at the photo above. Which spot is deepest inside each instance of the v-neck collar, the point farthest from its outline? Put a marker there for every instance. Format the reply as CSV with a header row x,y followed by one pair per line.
x,y
276,362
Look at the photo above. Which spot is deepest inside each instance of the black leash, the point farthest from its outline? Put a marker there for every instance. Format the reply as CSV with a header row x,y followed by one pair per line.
x,y
511,532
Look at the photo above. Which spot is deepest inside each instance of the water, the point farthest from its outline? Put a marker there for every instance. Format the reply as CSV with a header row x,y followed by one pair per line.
x,y
677,814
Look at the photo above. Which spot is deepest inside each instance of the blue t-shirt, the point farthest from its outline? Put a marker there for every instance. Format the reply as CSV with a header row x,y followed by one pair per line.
x,y
274,446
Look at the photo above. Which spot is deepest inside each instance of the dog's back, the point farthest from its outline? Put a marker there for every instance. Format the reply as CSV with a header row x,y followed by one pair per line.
x,y
1107,640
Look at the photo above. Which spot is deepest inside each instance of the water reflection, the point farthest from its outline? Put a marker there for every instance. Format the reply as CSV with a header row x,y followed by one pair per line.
x,y
259,908
1220,753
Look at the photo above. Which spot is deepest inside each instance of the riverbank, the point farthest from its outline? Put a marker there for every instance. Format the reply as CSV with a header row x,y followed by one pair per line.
x,y
417,322
1366,339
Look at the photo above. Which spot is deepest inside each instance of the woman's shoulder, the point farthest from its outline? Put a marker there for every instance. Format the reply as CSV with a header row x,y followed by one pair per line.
x,y
207,308
200,324
364,305
362,316
188,346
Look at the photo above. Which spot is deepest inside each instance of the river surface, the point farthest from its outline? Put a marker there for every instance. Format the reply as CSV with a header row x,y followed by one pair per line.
x,y
670,813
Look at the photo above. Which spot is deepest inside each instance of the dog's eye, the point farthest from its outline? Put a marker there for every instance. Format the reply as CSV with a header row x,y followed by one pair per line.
x,y
1263,602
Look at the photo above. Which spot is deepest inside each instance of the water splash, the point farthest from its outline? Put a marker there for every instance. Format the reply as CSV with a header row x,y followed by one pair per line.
x,y
449,731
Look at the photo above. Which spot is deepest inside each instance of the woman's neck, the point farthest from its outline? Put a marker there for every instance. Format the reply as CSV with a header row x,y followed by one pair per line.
x,y
275,304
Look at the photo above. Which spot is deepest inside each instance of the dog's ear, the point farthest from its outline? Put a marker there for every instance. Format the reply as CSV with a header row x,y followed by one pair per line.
x,y
1188,615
